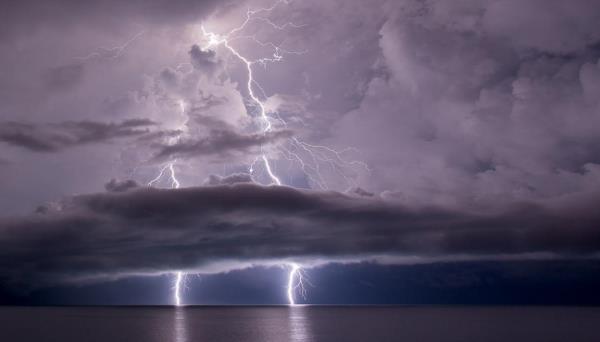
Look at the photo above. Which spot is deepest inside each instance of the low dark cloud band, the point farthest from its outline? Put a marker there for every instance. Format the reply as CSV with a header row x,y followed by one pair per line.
x,y
145,230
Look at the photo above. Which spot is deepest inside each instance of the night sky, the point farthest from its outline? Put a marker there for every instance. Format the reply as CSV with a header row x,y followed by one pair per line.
x,y
397,151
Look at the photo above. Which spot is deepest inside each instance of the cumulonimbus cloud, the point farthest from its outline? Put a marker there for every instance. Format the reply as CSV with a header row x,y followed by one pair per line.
x,y
147,230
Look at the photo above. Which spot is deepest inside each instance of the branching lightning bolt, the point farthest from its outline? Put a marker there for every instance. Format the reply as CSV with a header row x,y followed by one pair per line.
x,y
297,282
214,40
310,158
170,168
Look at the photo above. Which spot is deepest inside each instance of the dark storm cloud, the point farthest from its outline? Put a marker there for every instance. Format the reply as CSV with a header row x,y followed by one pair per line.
x,y
360,192
148,230
232,179
120,186
58,136
219,142
204,60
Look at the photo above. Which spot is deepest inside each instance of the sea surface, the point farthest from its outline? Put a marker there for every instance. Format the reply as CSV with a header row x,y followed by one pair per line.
x,y
302,323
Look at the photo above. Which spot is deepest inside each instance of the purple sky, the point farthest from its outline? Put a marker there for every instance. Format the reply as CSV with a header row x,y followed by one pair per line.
x,y
465,129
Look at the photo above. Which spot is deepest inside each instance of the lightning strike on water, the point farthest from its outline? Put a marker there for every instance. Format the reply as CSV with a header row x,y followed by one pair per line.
x,y
177,288
296,283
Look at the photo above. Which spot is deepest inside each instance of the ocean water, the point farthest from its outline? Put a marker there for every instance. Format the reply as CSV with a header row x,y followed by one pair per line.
x,y
303,323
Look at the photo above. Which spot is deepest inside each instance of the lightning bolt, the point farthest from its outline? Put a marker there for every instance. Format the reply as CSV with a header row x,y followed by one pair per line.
x,y
310,158
177,288
215,40
170,167
297,282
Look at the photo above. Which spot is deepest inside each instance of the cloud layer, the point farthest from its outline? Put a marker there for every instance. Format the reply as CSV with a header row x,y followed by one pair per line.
x,y
59,136
136,230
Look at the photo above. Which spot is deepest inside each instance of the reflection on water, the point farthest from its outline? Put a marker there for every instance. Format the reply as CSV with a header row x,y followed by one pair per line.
x,y
298,324
306,324
247,324
180,325
215,324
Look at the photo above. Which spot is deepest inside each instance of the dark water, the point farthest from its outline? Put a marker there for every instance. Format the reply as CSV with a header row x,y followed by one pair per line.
x,y
248,324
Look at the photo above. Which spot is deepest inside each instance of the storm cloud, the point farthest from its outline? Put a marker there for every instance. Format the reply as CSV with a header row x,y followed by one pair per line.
x,y
140,230
464,128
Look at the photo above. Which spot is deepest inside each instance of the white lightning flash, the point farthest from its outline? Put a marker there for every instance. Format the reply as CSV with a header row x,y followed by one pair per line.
x,y
224,40
177,288
170,166
297,282
215,40
310,158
